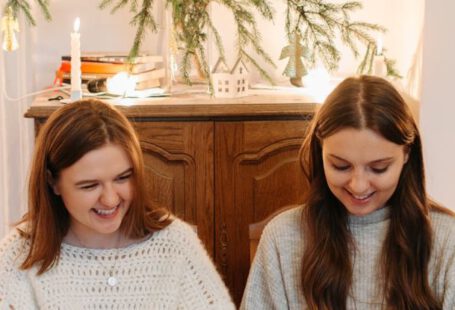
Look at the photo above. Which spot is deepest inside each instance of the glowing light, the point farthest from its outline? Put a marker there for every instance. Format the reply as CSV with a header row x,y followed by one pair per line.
x,y
121,84
77,24
317,81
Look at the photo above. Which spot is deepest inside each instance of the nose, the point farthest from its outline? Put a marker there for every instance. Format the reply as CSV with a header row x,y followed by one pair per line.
x,y
109,197
359,182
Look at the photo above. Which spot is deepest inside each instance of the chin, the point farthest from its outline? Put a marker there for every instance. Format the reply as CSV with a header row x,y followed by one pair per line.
x,y
361,211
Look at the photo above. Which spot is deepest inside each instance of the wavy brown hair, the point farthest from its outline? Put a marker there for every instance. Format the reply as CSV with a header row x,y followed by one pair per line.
x,y
71,132
373,103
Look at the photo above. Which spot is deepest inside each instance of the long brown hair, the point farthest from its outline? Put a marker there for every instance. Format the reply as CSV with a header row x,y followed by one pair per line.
x,y
69,133
373,103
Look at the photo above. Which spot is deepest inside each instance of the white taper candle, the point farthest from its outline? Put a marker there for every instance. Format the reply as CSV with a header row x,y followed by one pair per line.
x,y
76,89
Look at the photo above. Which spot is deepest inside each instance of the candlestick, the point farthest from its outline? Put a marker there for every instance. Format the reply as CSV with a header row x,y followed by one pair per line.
x,y
76,89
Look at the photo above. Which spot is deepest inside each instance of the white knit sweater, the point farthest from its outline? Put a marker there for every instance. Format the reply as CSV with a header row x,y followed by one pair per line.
x,y
169,270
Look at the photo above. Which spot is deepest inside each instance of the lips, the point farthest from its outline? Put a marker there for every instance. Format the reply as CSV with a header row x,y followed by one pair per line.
x,y
360,198
106,212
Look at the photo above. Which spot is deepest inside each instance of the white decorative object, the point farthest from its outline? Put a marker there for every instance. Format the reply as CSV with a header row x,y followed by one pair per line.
x,y
379,67
230,83
9,26
76,88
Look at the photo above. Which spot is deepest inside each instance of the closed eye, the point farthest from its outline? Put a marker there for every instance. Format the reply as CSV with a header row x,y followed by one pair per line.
x,y
89,186
340,168
124,177
379,170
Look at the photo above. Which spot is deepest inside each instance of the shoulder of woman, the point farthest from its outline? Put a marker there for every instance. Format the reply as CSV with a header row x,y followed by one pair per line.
x,y
443,226
286,223
444,220
178,231
12,247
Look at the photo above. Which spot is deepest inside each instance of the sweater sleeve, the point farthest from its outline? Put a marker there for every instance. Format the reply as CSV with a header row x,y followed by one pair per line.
x,y
201,287
443,259
448,272
15,289
265,288
449,292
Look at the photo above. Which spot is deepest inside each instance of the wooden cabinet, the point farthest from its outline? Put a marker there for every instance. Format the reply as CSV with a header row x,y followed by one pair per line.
x,y
179,168
220,164
256,173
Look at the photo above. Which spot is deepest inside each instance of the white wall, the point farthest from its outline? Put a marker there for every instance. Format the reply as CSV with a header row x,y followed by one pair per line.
x,y
438,106
16,132
32,68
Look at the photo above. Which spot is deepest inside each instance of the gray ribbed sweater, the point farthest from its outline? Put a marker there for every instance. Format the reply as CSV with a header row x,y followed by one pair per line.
x,y
274,279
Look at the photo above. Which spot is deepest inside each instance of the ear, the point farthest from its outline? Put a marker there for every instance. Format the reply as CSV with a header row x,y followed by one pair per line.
x,y
52,183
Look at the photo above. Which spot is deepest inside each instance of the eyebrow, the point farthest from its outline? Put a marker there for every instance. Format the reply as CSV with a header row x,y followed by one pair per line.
x,y
82,182
377,161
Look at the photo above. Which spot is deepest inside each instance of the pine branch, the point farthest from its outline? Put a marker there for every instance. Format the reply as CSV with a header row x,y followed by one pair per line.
x,y
21,6
365,65
143,19
44,6
262,72
264,8
247,32
320,22
288,22
205,67
185,67
218,41
119,5
391,69
191,19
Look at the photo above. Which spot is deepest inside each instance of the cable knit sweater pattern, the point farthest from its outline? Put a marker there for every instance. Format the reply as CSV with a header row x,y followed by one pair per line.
x,y
169,270
274,279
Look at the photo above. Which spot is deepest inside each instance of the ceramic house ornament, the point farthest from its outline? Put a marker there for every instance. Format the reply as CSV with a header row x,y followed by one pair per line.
x,y
230,83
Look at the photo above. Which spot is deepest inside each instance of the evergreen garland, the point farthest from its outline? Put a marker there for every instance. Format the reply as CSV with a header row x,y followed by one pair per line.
x,y
316,23
192,20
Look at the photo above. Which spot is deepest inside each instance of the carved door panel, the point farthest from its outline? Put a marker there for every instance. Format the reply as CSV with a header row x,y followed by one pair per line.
x,y
179,170
257,172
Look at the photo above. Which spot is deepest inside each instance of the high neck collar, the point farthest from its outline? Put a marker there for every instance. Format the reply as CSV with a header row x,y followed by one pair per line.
x,y
371,218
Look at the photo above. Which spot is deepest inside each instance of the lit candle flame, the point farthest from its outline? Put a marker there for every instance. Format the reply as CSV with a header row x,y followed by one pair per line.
x,y
77,24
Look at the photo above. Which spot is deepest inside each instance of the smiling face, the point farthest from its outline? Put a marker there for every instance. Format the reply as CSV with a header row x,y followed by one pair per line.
x,y
97,192
362,168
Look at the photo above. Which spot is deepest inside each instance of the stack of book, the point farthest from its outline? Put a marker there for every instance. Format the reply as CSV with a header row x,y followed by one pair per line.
x,y
145,68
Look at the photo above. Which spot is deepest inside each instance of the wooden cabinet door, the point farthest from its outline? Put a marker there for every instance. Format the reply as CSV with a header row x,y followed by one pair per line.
x,y
257,172
179,170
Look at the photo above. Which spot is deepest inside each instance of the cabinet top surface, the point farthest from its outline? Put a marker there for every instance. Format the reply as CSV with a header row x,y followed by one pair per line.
x,y
198,104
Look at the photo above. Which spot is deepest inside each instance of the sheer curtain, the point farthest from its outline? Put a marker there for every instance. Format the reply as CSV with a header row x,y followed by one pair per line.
x,y
16,132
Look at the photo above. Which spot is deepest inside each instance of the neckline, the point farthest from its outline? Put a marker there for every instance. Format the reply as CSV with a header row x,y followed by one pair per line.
x,y
108,250
377,216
